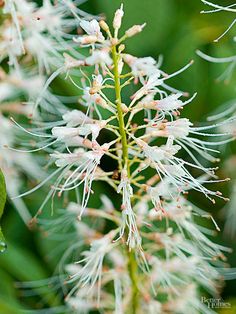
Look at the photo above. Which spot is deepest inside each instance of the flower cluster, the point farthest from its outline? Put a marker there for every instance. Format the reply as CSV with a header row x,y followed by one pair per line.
x,y
32,42
148,252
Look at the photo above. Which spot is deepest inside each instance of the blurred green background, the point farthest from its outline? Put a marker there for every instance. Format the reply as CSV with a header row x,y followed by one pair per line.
x,y
175,29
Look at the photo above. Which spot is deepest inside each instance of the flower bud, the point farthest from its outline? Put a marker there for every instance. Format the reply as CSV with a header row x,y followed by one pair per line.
x,y
134,30
121,48
86,40
118,18
124,108
104,25
71,62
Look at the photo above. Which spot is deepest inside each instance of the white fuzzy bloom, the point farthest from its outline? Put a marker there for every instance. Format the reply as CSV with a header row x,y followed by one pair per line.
x,y
63,159
152,179
140,67
156,198
76,117
84,130
64,132
91,273
168,166
101,57
128,216
149,86
170,103
38,31
80,304
71,62
177,128
13,164
78,168
78,127
162,153
92,28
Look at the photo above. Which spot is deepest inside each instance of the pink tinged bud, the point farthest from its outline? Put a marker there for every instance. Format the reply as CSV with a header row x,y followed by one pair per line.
x,y
64,132
140,143
124,108
120,66
76,117
134,30
104,26
118,18
101,102
85,40
129,59
71,62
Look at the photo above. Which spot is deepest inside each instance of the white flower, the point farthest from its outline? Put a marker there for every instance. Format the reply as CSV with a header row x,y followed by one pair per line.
x,y
170,103
168,166
85,130
177,128
142,66
149,86
162,153
77,124
38,31
178,252
78,303
71,62
91,273
78,168
101,57
76,117
128,216
14,164
156,198
92,28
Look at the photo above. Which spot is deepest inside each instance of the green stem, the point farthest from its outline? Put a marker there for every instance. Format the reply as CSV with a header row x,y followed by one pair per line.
x,y
119,108
132,263
133,273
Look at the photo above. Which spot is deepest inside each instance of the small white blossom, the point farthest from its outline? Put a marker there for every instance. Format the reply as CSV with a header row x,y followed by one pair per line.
x,y
92,28
85,164
101,57
142,66
91,273
128,216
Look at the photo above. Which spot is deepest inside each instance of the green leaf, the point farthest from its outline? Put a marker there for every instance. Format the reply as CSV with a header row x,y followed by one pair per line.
x,y
7,307
3,196
24,266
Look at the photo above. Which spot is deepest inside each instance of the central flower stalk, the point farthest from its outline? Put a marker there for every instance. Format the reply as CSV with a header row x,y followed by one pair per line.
x,y
124,142
132,263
